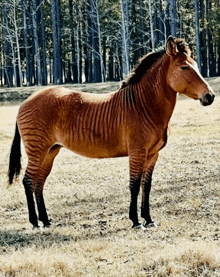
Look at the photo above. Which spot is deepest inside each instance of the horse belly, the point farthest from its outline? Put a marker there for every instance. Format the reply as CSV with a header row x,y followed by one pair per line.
x,y
98,149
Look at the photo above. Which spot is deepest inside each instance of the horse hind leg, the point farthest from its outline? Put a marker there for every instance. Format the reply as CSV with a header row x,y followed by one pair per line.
x,y
45,171
33,181
28,183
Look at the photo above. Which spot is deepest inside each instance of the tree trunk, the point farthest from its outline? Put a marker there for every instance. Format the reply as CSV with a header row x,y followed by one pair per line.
x,y
203,39
173,17
89,43
102,68
7,48
96,41
218,56
73,42
125,38
143,36
151,24
18,55
79,53
104,58
110,65
36,43
43,38
26,46
198,46
211,55
160,24
57,64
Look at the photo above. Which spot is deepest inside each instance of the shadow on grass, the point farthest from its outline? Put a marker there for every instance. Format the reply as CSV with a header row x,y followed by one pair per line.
x,y
44,238
18,239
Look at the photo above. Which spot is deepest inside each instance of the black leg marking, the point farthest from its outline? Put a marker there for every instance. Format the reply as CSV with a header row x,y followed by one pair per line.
x,y
146,188
28,185
134,189
42,210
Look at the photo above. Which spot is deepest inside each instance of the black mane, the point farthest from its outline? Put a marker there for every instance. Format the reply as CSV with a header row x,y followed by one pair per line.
x,y
148,60
142,67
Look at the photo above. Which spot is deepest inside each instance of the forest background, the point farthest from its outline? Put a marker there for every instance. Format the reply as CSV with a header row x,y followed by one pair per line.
x,y
75,41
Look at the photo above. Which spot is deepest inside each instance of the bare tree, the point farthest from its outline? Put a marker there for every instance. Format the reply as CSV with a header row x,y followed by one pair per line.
x,y
8,45
98,68
26,46
43,42
57,64
151,24
173,17
73,40
100,44
12,43
210,45
16,32
125,37
198,47
36,41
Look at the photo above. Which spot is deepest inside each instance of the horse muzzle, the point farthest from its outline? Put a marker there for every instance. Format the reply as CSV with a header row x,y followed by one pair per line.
x,y
207,98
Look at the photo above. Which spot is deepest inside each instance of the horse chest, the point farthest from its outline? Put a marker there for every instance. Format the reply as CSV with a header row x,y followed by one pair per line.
x,y
160,142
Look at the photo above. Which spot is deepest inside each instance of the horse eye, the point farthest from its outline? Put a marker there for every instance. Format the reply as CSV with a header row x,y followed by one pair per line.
x,y
184,67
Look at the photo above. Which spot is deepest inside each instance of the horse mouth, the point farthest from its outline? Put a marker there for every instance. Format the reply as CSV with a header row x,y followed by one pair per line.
x,y
207,99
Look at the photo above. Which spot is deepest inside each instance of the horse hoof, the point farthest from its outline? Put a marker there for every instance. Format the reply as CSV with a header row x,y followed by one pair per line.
x,y
47,224
136,226
150,225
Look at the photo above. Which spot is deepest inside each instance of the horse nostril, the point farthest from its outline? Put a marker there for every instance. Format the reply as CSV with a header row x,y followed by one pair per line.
x,y
208,98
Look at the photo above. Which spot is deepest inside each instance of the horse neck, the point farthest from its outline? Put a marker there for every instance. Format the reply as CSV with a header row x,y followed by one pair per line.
x,y
156,97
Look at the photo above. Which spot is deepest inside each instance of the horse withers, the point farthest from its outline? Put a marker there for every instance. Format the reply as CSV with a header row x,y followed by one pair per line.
x,y
132,121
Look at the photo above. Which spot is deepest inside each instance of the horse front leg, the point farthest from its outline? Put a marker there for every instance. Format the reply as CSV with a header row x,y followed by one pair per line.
x,y
145,207
146,188
136,162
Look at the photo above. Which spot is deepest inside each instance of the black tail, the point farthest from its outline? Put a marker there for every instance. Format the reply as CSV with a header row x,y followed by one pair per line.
x,y
15,156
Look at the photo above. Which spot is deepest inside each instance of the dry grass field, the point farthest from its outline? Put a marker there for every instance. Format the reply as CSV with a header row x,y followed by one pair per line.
x,y
88,202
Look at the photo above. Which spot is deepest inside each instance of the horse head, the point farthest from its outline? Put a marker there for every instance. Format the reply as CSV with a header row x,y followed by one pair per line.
x,y
183,75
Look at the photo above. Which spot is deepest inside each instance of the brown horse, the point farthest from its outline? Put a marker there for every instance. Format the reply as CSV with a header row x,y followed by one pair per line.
x,y
130,122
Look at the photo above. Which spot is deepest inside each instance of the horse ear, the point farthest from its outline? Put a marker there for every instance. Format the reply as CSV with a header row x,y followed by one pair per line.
x,y
171,47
